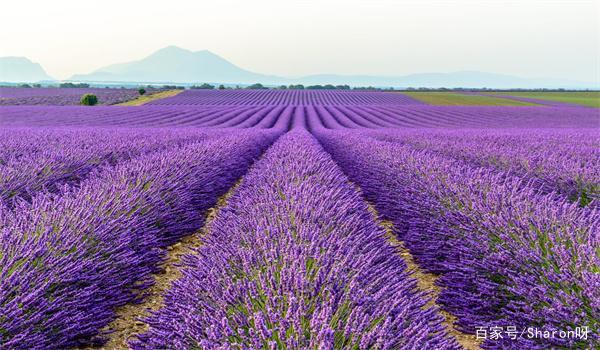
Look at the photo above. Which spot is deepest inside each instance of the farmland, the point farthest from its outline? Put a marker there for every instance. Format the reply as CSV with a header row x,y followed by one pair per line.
x,y
297,219
143,99
458,99
587,98
62,97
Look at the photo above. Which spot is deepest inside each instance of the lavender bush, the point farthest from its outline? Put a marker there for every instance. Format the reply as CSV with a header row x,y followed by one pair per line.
x,y
508,254
65,157
67,261
566,161
295,261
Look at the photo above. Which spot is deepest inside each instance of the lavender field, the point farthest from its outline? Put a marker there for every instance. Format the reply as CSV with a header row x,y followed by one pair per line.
x,y
297,219
62,96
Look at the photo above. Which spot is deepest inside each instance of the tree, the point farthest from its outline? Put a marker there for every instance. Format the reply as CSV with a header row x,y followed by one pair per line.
x,y
204,86
221,87
73,86
256,86
89,100
142,91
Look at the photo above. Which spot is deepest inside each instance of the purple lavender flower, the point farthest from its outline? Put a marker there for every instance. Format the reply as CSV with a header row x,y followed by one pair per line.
x,y
295,259
508,253
66,261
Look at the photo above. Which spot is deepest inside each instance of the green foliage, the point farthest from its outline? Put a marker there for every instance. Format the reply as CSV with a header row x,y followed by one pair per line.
x,y
320,87
221,87
204,86
584,199
585,98
142,91
256,86
367,88
73,86
442,98
89,100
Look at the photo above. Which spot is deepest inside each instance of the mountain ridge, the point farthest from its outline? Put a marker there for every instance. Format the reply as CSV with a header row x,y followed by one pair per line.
x,y
219,70
175,65
15,69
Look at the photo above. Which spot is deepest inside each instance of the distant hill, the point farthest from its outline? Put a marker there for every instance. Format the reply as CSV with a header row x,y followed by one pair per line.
x,y
176,65
21,70
465,79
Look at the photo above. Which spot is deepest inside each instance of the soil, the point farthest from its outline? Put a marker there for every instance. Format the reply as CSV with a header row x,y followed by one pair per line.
x,y
129,320
426,282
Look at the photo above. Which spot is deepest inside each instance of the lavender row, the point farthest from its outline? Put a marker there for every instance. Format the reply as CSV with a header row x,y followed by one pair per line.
x,y
566,161
507,255
19,142
69,156
67,261
333,117
296,261
62,96
285,97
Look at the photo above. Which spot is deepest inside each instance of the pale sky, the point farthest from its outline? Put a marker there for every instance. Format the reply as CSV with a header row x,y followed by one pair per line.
x,y
528,38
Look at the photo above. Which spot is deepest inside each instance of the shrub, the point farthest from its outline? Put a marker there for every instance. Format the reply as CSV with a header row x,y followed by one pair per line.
x,y
73,86
204,86
256,86
142,91
89,100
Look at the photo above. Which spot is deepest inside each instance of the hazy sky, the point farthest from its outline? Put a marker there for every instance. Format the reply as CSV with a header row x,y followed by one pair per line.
x,y
529,38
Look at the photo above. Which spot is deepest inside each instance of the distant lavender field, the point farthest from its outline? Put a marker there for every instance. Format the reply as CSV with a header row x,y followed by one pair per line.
x,y
330,116
285,97
62,96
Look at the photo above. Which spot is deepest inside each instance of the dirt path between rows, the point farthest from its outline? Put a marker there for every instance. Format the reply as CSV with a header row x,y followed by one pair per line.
x,y
425,282
143,99
127,323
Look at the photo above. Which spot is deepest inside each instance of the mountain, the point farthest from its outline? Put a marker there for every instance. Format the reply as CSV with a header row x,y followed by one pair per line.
x,y
466,79
21,70
176,65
